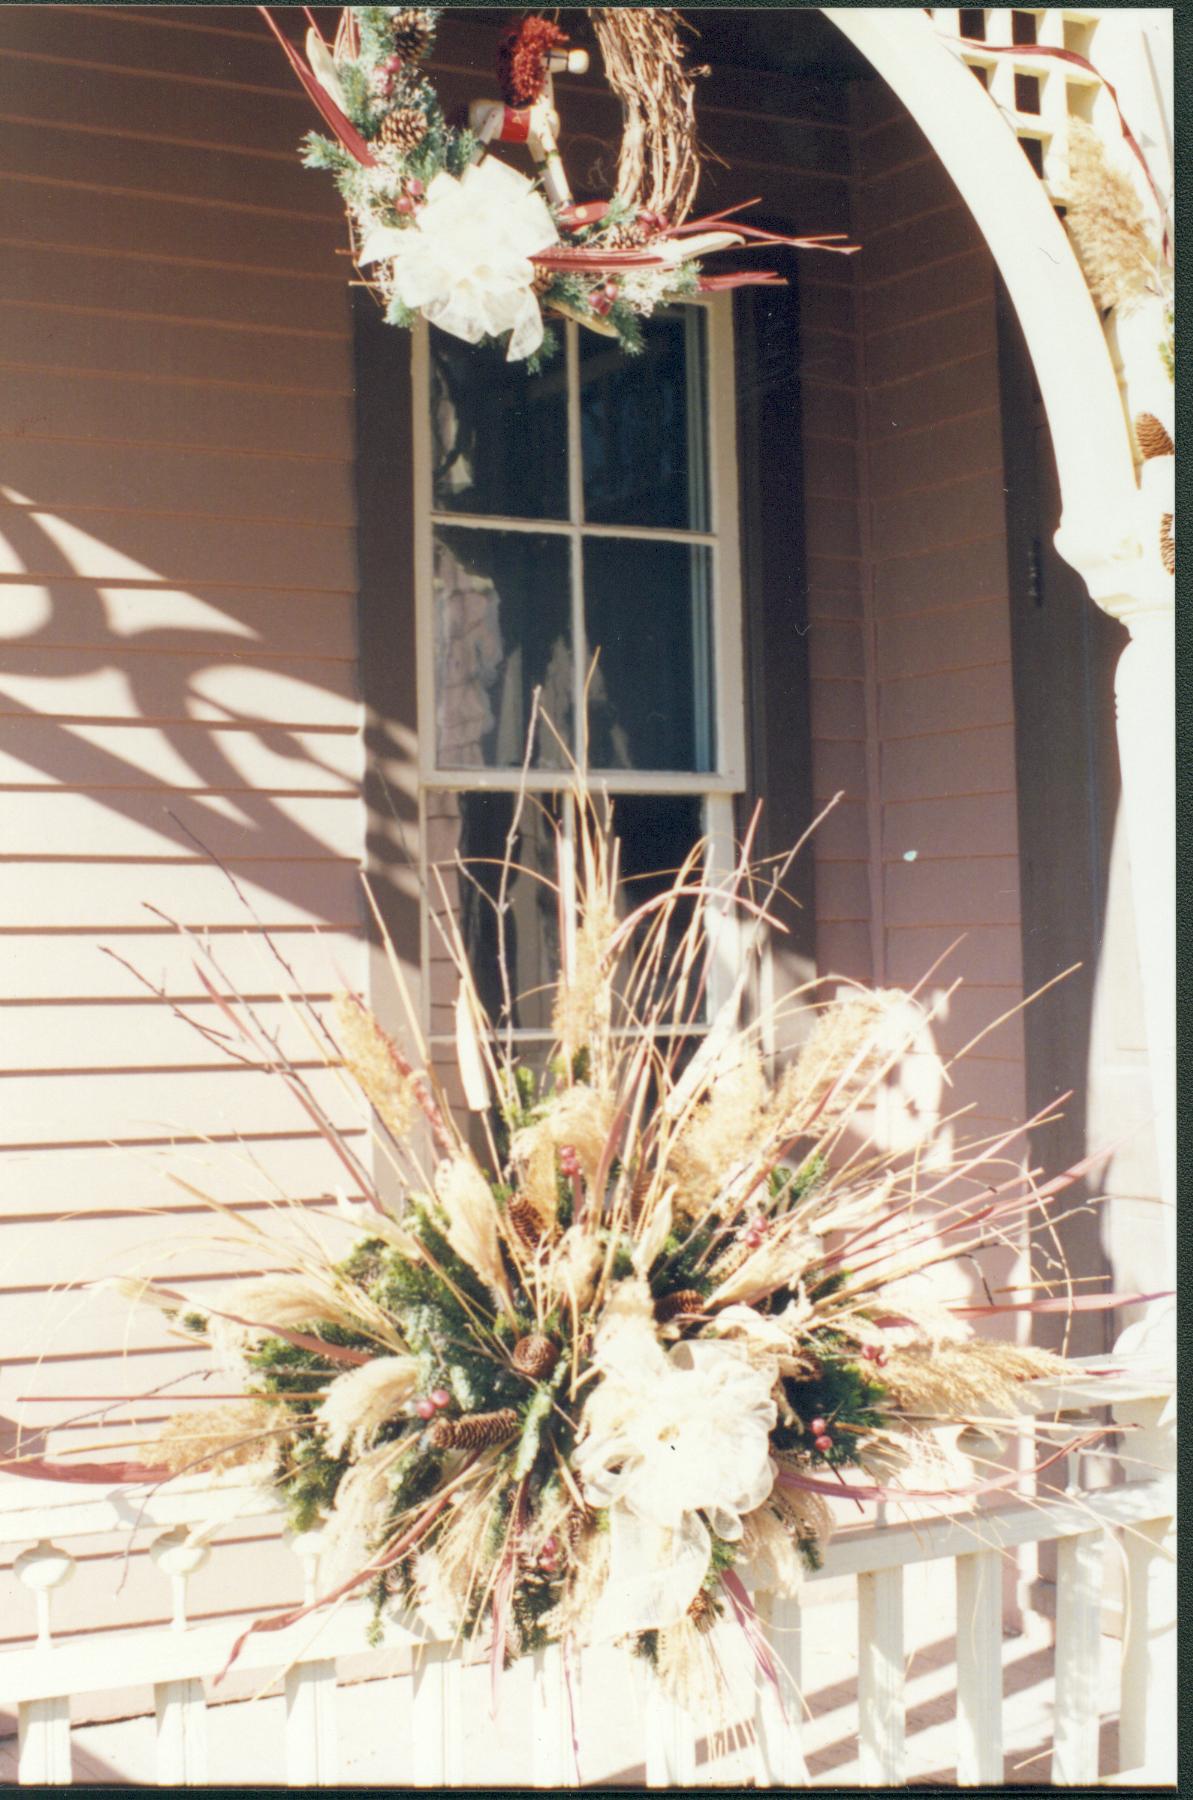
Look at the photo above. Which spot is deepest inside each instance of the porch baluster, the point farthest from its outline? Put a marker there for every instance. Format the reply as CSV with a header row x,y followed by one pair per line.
x,y
180,1707
1075,1729
979,1668
881,1723
778,1714
43,1726
312,1742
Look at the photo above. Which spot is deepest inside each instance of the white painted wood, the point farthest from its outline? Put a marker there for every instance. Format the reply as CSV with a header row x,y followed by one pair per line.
x,y
979,1669
670,1741
881,1746
437,1753
1078,1657
778,1713
553,1762
41,1570
1148,1709
311,1738
43,1738
180,1710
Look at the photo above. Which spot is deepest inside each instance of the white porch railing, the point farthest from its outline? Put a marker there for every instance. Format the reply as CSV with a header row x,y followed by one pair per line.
x,y
174,1661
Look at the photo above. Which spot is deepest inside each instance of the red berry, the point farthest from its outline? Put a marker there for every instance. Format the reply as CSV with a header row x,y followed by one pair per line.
x,y
824,1442
818,1427
440,1397
404,204
601,303
425,1409
415,187
551,1546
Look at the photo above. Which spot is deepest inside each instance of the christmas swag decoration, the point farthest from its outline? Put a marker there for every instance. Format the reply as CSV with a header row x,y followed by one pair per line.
x,y
631,1324
442,228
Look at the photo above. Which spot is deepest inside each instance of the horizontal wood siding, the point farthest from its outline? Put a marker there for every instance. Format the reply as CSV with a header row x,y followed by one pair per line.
x,y
177,677
920,662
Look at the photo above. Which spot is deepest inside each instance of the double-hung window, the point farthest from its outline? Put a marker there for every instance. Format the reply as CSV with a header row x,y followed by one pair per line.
x,y
575,533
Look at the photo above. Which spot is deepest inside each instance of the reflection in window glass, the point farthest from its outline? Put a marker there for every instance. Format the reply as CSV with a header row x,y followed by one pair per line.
x,y
472,829
657,833
498,435
502,614
647,614
642,426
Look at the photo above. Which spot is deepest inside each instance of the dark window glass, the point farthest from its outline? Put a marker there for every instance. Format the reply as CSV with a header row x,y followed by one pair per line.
x,y
502,611
642,426
467,838
499,436
648,620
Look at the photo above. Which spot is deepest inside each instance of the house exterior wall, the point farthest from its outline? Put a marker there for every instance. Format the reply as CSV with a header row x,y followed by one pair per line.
x,y
178,639
910,646
177,657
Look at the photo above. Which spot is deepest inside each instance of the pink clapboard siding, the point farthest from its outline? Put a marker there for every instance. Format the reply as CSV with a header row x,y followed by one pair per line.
x,y
177,663
910,640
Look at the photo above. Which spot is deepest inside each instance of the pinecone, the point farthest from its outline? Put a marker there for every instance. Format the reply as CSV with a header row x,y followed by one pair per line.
x,y
404,129
411,31
527,1221
476,1431
702,1612
543,278
1152,438
535,1356
687,1300
1167,544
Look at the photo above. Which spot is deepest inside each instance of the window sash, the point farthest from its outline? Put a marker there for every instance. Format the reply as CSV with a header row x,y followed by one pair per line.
x,y
716,787
721,541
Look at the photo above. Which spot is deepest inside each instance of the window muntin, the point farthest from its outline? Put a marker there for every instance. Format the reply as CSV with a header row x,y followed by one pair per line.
x,y
643,565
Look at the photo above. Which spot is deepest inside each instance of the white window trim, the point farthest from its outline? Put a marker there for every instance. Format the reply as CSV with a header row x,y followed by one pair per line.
x,y
718,786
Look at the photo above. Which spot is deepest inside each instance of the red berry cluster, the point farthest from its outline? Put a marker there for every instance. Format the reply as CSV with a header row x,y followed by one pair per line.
x,y
549,1556
569,1162
601,299
755,1232
412,193
385,77
820,1434
432,1403
874,1353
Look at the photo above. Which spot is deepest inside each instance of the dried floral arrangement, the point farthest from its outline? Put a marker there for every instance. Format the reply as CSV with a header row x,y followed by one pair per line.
x,y
633,1320
443,229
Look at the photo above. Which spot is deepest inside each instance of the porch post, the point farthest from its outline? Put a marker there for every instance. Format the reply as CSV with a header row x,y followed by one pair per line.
x,y
1110,523
1135,587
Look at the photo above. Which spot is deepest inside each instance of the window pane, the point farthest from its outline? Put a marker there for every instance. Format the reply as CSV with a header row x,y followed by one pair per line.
x,y
498,435
657,832
502,610
474,827
642,425
647,613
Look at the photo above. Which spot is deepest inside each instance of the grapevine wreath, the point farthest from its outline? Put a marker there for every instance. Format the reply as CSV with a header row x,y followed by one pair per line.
x,y
443,228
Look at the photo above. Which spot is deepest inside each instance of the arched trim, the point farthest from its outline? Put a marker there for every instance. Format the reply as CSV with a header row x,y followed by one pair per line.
x,y
1064,335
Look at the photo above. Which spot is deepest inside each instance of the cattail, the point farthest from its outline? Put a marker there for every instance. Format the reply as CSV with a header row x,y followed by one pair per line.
x,y
671,1306
411,30
404,129
1152,438
476,1431
535,1355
